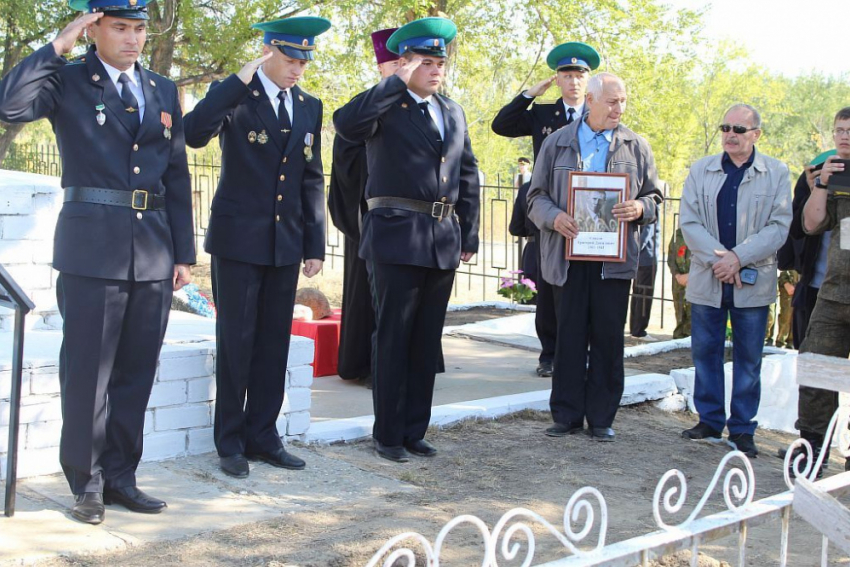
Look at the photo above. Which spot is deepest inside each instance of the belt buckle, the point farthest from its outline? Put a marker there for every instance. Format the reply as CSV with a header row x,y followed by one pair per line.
x,y
140,193
438,215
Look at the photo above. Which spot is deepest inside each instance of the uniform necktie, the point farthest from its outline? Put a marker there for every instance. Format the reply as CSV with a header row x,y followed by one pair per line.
x,y
571,115
283,116
433,131
129,101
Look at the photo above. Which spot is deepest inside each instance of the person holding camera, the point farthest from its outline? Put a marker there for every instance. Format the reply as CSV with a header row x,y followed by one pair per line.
x,y
734,214
828,208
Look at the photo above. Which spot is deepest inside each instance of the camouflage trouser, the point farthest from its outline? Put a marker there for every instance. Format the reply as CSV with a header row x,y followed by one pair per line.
x,y
784,335
771,324
828,333
683,312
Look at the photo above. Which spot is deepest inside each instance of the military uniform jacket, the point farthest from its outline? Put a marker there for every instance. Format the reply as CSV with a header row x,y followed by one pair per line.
x,y
105,241
348,182
404,162
268,208
516,119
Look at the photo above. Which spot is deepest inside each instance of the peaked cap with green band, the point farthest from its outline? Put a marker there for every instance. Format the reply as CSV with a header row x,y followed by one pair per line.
x,y
295,37
822,157
426,36
573,54
129,9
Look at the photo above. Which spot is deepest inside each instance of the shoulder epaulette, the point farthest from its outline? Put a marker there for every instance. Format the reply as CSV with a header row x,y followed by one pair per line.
x,y
540,102
77,60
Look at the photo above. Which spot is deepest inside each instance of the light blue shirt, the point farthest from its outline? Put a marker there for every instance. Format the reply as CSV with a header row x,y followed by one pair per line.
x,y
272,91
594,148
135,84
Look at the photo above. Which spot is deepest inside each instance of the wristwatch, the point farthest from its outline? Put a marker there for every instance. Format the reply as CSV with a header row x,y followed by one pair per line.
x,y
818,184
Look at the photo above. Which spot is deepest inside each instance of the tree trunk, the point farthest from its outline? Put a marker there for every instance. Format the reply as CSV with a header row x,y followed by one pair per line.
x,y
164,16
8,136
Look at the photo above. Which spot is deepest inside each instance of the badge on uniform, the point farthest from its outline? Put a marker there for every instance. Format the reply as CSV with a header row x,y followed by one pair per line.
x,y
100,117
262,137
308,147
165,118
252,137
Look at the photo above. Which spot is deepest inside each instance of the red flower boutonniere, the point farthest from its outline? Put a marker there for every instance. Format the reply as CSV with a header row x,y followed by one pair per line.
x,y
682,250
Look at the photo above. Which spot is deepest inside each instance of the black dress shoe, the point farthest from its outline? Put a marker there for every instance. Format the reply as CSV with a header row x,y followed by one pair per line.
x,y
88,508
564,429
234,465
544,370
395,454
278,458
134,500
602,434
421,448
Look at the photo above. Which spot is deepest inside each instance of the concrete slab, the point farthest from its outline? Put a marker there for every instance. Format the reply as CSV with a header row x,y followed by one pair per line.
x,y
199,498
509,371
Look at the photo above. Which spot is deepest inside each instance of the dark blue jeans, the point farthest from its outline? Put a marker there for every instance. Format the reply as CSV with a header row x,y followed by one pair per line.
x,y
708,335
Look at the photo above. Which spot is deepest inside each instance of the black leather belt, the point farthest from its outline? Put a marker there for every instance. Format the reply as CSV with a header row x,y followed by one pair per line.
x,y
139,200
436,209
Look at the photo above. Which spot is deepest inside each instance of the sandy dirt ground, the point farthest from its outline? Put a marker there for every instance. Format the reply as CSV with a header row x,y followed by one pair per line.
x,y
486,468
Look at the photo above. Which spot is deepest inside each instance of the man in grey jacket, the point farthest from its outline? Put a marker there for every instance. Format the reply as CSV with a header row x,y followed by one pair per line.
x,y
591,298
735,214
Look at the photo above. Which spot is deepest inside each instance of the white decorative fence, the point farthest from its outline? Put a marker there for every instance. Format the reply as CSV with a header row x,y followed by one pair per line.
x,y
512,538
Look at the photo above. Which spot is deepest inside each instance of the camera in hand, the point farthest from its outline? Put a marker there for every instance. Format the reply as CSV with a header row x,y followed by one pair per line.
x,y
840,180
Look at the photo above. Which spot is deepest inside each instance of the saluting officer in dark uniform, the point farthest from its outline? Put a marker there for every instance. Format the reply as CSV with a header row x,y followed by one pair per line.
x,y
267,215
346,205
124,238
572,63
422,194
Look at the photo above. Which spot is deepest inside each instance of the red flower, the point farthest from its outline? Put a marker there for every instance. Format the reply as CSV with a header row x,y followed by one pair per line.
x,y
682,250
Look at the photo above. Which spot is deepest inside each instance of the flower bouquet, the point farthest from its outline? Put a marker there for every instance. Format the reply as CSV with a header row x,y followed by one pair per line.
x,y
517,288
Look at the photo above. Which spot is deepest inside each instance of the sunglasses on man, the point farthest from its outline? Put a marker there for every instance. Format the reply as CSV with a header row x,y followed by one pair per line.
x,y
737,129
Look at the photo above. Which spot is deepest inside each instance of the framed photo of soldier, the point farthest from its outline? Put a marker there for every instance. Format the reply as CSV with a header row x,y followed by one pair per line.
x,y
590,201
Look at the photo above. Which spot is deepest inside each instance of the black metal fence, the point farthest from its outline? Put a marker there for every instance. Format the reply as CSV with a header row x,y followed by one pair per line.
x,y
499,252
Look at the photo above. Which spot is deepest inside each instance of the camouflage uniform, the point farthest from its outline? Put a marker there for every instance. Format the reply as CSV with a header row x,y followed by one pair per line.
x,y
679,262
784,336
829,328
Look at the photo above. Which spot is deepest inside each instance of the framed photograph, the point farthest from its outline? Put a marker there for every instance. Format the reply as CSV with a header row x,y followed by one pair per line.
x,y
590,201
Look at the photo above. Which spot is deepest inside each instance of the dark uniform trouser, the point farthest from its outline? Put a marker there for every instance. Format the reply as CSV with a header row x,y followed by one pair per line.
x,y
829,334
803,305
113,333
591,318
545,322
410,309
358,317
254,305
683,312
641,304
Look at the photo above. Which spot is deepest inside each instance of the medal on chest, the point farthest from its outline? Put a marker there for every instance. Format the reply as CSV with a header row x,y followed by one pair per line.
x,y
100,116
166,120
308,147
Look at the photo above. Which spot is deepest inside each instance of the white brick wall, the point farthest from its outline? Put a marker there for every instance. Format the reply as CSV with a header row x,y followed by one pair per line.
x,y
182,417
168,394
179,416
42,435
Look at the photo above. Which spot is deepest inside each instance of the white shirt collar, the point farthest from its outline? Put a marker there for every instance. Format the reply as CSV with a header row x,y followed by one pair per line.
x,y
578,108
419,99
270,87
114,73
